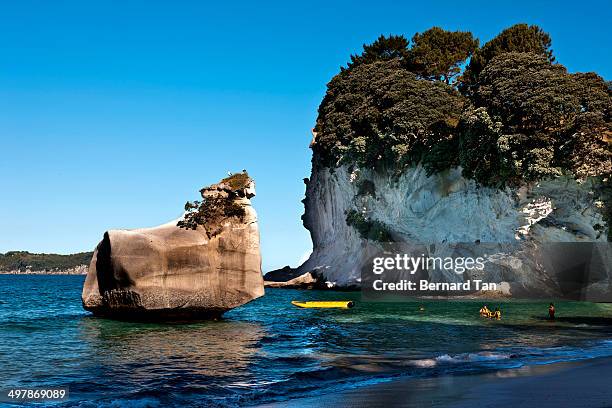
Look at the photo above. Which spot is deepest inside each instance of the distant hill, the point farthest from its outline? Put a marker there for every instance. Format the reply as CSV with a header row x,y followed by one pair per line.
x,y
23,260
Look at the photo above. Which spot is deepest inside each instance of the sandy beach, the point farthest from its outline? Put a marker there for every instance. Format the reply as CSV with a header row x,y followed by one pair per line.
x,y
576,384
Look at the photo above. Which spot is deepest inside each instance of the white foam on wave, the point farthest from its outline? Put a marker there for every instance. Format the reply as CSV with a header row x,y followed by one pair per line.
x,y
482,356
424,363
472,357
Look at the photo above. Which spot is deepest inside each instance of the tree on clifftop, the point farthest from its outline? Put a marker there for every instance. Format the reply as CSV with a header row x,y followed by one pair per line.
x,y
518,38
437,53
539,120
380,113
383,49
521,118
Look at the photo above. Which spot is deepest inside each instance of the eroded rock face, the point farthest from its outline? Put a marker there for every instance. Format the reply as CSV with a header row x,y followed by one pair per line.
x,y
177,272
445,209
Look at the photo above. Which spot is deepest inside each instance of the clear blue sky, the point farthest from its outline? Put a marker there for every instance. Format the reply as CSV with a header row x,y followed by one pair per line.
x,y
114,113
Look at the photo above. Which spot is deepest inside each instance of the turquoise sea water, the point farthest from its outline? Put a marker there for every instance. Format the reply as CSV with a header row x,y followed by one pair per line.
x,y
269,350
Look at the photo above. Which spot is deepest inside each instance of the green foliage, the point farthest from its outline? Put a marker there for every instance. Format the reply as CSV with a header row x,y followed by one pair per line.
x,y
438,54
546,121
441,156
518,38
237,181
379,114
485,154
383,49
366,188
22,260
210,213
526,119
527,91
368,229
216,206
587,149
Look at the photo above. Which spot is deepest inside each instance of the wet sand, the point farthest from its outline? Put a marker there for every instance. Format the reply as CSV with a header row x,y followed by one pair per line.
x,y
586,383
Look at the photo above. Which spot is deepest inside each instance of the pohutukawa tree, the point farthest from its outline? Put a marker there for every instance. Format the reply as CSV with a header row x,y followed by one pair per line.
x,y
518,38
437,54
380,113
383,49
543,118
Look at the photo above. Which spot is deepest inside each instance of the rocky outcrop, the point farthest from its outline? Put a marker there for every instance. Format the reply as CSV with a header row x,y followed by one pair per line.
x,y
280,279
199,266
343,205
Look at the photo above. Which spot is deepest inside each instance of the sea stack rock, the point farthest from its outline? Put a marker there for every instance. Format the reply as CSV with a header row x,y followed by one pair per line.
x,y
199,266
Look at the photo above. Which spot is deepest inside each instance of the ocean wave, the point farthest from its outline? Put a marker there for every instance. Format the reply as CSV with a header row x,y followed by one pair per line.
x,y
463,358
474,357
147,402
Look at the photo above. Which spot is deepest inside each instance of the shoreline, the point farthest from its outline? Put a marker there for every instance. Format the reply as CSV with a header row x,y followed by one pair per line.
x,y
67,272
581,383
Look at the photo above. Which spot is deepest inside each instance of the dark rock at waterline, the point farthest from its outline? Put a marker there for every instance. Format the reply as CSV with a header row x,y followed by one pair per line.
x,y
283,274
169,272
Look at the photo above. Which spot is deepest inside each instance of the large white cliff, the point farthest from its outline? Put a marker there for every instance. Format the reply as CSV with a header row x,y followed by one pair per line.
x,y
446,208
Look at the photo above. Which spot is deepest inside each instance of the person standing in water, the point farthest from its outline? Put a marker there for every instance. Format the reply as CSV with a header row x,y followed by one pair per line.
x,y
551,311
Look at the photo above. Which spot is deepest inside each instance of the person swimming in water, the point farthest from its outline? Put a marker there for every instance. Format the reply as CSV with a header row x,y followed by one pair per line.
x,y
497,314
484,311
551,311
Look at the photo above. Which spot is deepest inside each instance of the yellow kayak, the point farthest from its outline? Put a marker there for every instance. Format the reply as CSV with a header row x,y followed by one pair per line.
x,y
342,304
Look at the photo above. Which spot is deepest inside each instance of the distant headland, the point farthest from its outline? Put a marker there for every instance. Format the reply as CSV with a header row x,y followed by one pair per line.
x,y
27,263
